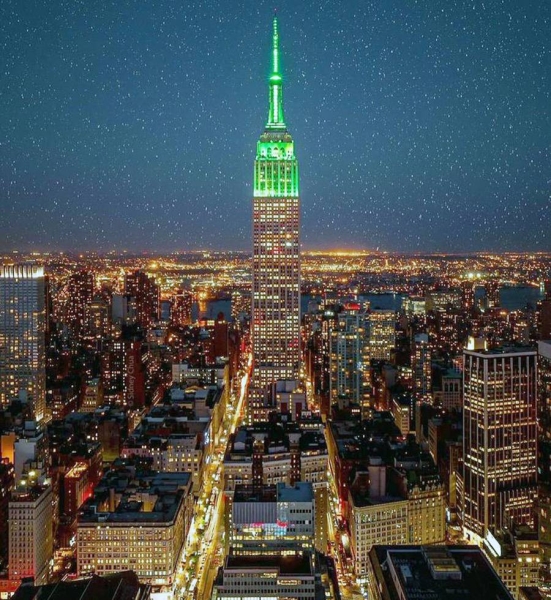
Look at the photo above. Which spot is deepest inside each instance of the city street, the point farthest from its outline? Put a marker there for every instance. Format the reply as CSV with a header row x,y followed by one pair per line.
x,y
202,552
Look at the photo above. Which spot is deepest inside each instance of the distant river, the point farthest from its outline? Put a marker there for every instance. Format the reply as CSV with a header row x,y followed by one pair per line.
x,y
515,298
512,298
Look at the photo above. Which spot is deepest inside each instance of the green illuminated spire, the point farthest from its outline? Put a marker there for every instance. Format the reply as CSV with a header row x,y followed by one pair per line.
x,y
276,167
275,115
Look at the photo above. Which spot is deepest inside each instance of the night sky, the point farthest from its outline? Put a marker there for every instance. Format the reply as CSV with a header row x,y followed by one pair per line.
x,y
418,125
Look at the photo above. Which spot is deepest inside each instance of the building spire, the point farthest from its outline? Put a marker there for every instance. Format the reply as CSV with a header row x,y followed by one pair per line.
x,y
275,115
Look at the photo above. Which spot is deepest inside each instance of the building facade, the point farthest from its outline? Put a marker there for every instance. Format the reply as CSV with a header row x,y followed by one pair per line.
x,y
420,518
143,298
382,334
22,336
273,519
422,367
349,358
515,556
142,528
31,543
499,439
269,577
276,252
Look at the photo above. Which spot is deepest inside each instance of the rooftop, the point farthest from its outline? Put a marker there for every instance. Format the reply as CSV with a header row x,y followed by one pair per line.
x,y
504,351
118,586
302,491
145,497
285,565
437,573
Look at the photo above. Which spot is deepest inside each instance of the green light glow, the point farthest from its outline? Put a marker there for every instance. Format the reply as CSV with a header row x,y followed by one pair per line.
x,y
276,166
275,114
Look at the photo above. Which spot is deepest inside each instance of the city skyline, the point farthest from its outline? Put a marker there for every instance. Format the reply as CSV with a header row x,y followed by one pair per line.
x,y
281,424
422,128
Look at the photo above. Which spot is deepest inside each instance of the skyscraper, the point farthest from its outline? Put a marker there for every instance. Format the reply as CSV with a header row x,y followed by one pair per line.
x,y
499,439
382,334
422,367
22,336
276,252
144,298
349,358
75,301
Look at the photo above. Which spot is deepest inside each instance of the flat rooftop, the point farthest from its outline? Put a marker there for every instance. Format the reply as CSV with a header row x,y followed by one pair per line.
x,y
285,565
124,585
437,573
302,491
249,493
504,351
149,498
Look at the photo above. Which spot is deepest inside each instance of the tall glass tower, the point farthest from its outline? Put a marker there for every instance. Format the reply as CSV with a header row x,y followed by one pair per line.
x,y
500,447
22,337
276,253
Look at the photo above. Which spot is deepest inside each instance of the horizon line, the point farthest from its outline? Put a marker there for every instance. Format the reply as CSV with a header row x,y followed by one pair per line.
x,y
306,251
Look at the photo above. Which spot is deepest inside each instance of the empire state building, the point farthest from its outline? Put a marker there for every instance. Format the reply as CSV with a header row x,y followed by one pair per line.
x,y
276,253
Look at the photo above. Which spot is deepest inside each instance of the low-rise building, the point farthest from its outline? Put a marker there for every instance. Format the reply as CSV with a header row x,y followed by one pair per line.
x,y
272,453
110,587
515,555
272,519
274,577
439,572
137,519
394,506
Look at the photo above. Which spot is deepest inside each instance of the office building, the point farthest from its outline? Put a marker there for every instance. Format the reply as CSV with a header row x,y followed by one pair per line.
x,y
382,334
135,522
269,577
117,586
544,410
544,313
515,556
499,477
180,308
432,572
22,336
30,529
254,457
272,519
544,454
390,506
143,298
276,252
422,367
438,300
31,445
7,478
349,358
493,298
99,319
92,396
450,396
75,302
